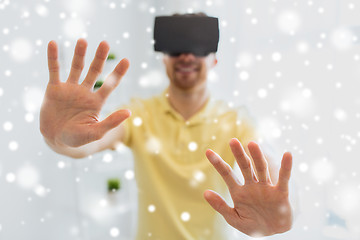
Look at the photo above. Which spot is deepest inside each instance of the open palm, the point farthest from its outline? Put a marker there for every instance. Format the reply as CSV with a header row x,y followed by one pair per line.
x,y
260,208
69,113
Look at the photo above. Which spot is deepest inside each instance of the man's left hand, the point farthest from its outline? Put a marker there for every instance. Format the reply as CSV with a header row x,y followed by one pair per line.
x,y
260,207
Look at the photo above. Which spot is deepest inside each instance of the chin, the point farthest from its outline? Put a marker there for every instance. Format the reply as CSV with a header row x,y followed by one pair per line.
x,y
185,83
187,86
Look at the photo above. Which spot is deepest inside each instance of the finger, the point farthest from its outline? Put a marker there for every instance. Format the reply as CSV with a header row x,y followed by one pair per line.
x,y
242,160
97,65
285,172
114,78
261,165
109,123
218,203
223,169
78,61
53,63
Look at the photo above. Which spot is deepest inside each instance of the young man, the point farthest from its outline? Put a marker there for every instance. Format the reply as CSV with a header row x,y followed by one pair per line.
x,y
171,136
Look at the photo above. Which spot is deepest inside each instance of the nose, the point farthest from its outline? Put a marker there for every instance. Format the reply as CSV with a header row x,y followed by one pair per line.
x,y
187,57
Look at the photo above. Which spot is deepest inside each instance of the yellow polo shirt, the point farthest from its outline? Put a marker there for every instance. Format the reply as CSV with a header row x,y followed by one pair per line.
x,y
171,168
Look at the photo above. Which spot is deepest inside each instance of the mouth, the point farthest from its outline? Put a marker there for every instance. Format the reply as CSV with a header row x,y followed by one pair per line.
x,y
186,70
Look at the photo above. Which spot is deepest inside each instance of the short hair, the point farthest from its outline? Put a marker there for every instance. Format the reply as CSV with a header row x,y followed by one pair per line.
x,y
198,14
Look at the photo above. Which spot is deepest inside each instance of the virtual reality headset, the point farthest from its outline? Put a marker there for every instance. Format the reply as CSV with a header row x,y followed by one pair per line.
x,y
174,35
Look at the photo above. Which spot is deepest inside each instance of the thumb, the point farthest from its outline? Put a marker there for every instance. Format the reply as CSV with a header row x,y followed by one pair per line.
x,y
112,121
218,204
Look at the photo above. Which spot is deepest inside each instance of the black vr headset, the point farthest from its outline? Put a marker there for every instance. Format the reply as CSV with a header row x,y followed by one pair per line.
x,y
174,35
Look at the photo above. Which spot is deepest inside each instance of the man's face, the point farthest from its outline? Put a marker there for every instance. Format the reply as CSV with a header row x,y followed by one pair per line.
x,y
188,71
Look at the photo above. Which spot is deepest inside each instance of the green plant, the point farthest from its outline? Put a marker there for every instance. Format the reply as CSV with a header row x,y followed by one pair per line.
x,y
111,56
98,84
113,184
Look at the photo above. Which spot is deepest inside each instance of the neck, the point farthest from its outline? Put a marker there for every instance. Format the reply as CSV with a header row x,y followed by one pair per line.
x,y
187,103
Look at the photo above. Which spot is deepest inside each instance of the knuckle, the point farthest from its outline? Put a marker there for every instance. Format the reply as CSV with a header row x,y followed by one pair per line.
x,y
101,57
226,170
77,66
262,167
95,135
96,70
246,164
54,68
92,136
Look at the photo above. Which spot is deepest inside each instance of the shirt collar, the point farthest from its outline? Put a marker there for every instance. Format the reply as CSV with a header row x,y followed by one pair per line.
x,y
197,118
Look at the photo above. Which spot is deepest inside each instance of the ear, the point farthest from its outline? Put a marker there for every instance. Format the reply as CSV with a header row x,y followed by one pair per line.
x,y
215,61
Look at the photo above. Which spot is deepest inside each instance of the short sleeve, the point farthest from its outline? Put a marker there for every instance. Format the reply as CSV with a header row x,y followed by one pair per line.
x,y
134,107
127,129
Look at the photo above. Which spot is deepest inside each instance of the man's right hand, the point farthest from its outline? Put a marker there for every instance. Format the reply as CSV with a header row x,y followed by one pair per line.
x,y
70,111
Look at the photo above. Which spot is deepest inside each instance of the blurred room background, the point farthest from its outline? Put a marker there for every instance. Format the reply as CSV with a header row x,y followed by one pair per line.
x,y
294,64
